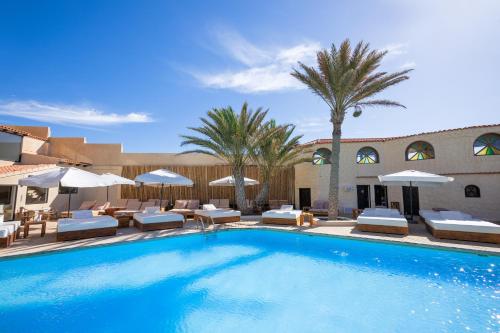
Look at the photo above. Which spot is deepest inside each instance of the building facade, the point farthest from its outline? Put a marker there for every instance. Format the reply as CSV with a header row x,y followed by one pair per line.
x,y
470,155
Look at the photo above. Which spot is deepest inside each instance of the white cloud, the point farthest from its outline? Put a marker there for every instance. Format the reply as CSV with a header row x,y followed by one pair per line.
x,y
396,49
264,69
68,114
314,127
408,65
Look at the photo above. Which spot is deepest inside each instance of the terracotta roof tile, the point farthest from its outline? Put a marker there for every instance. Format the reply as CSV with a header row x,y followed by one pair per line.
x,y
354,140
9,129
16,169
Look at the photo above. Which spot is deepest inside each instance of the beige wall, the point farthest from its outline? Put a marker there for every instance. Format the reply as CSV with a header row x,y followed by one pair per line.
x,y
168,159
33,146
453,156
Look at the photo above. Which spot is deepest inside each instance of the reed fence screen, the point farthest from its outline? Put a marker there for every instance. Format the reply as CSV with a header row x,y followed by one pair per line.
x,y
281,186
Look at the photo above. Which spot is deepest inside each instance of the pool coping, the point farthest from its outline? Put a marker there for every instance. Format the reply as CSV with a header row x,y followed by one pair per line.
x,y
301,231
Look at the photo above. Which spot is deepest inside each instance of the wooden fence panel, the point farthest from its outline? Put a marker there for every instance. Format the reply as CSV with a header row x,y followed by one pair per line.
x,y
282,185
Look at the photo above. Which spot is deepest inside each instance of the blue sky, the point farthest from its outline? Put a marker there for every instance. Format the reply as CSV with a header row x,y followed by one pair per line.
x,y
140,72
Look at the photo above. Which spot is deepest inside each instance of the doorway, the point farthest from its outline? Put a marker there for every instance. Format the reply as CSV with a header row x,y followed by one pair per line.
x,y
304,197
363,196
414,200
381,199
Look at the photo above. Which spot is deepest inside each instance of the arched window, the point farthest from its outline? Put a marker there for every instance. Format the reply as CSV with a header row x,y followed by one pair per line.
x,y
367,155
322,156
472,191
487,144
419,150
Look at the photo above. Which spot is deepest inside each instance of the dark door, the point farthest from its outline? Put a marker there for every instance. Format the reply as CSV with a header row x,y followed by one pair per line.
x,y
381,196
414,200
304,197
363,196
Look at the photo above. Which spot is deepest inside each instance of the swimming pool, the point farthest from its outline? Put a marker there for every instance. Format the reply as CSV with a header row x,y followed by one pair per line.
x,y
251,281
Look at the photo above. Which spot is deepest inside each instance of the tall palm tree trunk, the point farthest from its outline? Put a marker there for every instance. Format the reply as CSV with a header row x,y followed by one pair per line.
x,y
263,196
239,189
333,196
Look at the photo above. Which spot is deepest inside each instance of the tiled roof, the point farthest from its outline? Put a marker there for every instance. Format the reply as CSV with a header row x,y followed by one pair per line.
x,y
17,169
12,130
354,140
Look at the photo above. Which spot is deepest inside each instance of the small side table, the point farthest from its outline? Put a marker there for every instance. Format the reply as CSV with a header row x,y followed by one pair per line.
x,y
27,225
123,221
111,210
306,216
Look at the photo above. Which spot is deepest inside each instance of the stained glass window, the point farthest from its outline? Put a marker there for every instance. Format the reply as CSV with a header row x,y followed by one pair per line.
x,y
322,156
367,155
487,144
419,150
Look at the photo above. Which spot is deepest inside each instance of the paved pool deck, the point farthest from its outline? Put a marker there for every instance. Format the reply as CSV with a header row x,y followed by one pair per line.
x,y
418,236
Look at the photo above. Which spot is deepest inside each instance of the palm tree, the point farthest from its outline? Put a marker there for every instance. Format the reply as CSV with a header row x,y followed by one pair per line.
x,y
230,137
279,149
347,80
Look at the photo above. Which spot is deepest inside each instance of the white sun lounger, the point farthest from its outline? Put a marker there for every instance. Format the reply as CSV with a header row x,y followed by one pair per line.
x,y
84,225
210,213
7,235
383,220
153,219
285,215
460,226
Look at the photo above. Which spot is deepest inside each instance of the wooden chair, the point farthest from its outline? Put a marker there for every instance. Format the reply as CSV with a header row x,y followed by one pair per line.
x,y
35,218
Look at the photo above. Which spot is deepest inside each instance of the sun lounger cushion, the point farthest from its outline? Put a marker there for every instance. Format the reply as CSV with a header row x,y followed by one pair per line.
x,y
152,210
158,218
464,226
133,204
6,230
383,220
193,204
120,203
282,214
180,204
286,207
218,213
101,206
14,224
224,203
458,221
81,214
87,205
209,207
454,215
73,224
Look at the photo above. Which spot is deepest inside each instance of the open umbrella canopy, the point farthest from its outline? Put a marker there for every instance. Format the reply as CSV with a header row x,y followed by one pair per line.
x,y
67,177
163,177
414,178
113,179
229,181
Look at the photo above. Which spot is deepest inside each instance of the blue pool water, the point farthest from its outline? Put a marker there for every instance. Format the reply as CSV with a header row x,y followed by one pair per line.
x,y
251,281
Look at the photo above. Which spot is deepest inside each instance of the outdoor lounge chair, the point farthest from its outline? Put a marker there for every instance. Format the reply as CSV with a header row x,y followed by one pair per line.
x,y
87,205
7,235
382,220
285,215
219,203
186,207
133,206
100,208
460,226
210,213
319,208
85,225
153,219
